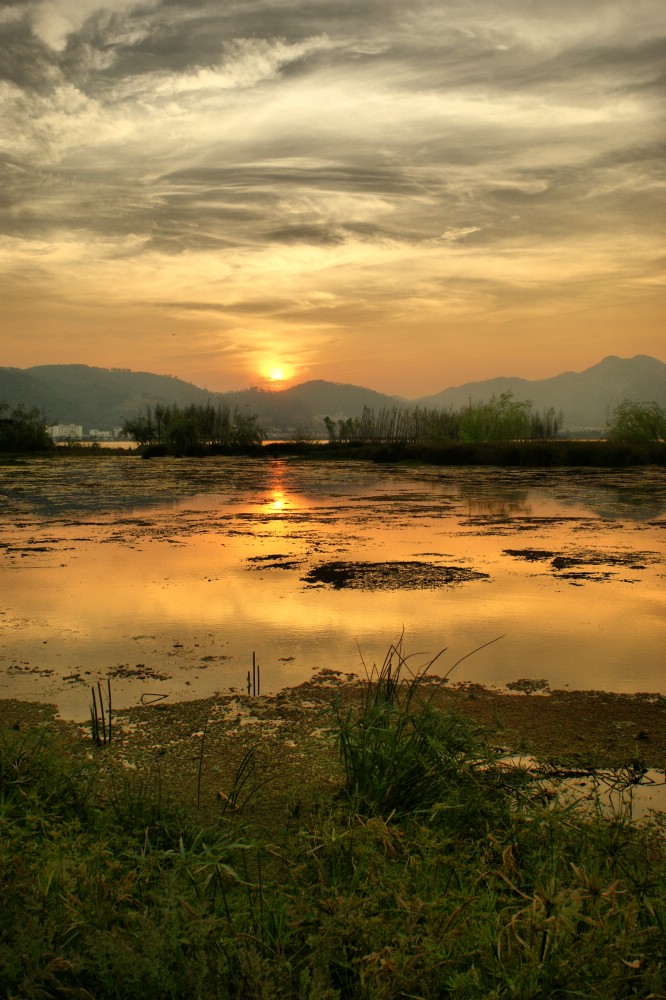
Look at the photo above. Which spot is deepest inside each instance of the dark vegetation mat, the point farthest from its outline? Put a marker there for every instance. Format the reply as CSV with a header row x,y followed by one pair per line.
x,y
407,575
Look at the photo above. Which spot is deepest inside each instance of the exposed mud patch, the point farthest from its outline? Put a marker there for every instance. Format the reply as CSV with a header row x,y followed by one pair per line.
x,y
412,575
292,736
137,672
530,555
572,566
275,561
528,685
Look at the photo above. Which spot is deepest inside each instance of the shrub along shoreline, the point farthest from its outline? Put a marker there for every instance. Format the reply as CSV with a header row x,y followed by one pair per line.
x,y
562,453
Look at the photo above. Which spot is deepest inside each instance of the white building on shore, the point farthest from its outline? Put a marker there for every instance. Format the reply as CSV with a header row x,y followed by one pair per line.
x,y
66,432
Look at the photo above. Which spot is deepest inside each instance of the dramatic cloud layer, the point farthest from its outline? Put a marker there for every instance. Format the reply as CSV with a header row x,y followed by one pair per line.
x,y
405,196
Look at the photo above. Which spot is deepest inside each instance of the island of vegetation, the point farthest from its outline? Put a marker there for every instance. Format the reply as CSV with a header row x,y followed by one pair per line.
x,y
500,431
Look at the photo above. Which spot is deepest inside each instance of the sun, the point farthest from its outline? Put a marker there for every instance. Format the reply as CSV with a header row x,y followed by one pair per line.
x,y
276,373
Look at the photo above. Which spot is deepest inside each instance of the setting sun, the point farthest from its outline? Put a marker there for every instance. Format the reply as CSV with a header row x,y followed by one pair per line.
x,y
276,373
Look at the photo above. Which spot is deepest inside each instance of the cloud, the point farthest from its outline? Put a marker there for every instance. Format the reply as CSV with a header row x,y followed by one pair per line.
x,y
272,164
245,62
54,21
453,235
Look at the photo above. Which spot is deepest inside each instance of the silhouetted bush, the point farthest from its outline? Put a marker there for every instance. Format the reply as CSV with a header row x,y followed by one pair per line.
x,y
23,430
637,423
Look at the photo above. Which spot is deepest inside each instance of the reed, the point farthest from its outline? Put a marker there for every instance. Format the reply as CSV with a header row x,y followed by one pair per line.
x,y
401,756
100,717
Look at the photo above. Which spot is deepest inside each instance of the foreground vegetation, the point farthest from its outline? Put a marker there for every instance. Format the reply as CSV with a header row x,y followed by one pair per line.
x,y
428,869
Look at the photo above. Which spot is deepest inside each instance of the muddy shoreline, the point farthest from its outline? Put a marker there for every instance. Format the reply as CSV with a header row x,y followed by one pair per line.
x,y
291,734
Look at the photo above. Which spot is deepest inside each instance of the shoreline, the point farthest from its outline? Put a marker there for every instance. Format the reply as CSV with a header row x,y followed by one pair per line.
x,y
552,453
585,728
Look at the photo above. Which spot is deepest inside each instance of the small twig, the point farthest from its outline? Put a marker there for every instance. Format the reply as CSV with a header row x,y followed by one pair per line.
x,y
93,725
155,698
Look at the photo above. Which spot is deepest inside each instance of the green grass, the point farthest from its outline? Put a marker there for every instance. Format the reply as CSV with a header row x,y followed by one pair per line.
x,y
432,870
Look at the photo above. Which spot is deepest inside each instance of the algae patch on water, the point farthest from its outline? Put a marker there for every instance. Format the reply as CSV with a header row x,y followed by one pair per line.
x,y
409,575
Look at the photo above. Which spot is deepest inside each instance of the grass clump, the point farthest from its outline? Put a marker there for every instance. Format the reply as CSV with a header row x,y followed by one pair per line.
x,y
402,756
433,869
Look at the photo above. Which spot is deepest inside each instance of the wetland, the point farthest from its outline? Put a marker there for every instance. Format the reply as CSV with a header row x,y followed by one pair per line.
x,y
166,576
290,842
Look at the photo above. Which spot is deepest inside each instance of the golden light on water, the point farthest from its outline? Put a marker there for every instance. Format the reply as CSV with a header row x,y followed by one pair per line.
x,y
279,501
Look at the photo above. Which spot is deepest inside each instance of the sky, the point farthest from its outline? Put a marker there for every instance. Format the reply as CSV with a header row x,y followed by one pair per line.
x,y
401,195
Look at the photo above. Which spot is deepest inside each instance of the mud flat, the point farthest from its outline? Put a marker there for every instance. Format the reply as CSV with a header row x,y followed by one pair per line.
x,y
290,736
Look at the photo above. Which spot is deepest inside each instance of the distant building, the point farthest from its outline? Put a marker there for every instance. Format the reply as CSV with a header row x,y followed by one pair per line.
x,y
116,434
65,432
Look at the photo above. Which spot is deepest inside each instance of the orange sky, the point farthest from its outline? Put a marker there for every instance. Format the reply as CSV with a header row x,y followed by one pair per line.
x,y
402,196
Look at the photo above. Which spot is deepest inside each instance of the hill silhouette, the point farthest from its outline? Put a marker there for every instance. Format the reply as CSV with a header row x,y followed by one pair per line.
x,y
103,397
587,399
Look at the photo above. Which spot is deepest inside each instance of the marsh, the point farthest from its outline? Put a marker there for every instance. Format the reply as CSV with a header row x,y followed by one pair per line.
x,y
167,575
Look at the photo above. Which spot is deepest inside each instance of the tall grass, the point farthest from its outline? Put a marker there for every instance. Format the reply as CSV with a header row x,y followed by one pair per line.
x,y
403,756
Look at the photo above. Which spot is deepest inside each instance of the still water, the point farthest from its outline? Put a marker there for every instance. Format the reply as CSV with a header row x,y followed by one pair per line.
x,y
167,575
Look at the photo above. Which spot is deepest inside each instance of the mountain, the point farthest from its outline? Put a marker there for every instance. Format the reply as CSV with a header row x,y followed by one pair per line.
x,y
93,397
587,399
336,399
102,398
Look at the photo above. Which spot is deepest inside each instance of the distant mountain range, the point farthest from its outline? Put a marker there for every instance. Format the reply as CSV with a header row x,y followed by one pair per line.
x,y
587,399
102,398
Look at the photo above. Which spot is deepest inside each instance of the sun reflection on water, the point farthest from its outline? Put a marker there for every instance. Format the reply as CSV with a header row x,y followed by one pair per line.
x,y
278,502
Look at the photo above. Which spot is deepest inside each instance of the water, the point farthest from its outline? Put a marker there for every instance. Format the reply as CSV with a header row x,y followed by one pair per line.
x,y
167,575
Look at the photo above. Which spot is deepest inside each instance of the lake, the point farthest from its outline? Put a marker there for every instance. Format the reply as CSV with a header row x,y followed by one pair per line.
x,y
165,576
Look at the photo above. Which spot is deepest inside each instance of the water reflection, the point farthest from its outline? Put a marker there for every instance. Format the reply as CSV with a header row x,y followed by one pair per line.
x,y
497,497
636,495
278,501
498,507
176,571
277,488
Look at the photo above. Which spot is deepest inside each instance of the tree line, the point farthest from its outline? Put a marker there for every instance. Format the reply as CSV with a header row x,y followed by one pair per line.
x,y
195,428
183,430
637,422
